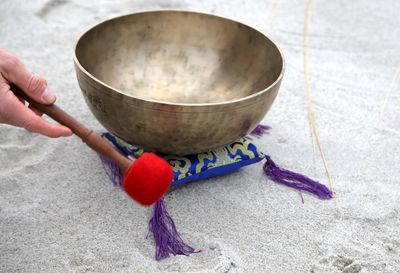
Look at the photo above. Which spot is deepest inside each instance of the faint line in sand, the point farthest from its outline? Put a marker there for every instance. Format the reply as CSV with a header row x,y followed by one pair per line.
x,y
272,10
315,138
392,85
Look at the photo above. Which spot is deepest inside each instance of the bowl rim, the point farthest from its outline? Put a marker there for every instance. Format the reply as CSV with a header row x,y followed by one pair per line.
x,y
221,103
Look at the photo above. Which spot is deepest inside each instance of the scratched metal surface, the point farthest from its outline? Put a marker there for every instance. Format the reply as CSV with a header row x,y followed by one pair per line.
x,y
59,213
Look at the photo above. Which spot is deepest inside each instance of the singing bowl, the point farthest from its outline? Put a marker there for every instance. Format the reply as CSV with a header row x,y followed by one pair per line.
x,y
177,82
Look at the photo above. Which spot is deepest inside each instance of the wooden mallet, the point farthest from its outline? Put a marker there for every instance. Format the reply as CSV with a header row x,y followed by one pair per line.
x,y
145,179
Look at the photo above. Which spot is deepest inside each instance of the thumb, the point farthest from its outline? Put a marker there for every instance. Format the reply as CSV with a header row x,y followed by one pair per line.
x,y
36,88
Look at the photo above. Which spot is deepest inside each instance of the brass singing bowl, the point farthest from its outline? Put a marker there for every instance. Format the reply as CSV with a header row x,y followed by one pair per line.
x,y
177,82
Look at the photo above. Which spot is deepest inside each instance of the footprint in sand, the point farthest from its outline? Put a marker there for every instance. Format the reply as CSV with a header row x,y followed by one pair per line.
x,y
20,149
215,257
49,7
338,263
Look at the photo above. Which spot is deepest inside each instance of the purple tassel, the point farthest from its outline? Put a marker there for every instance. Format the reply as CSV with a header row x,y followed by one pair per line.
x,y
113,171
260,130
166,237
161,225
295,180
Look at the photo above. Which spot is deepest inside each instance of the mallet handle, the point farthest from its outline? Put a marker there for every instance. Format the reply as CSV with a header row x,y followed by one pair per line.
x,y
92,139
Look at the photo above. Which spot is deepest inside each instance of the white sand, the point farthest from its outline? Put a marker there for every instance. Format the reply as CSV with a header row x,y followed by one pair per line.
x,y
59,212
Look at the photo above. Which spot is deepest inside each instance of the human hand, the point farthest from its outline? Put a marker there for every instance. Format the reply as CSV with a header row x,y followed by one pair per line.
x,y
13,110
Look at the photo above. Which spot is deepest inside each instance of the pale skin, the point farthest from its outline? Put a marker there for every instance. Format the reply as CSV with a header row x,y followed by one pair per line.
x,y
13,110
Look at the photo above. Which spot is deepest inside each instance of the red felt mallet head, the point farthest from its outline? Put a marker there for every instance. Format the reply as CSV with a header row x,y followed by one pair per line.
x,y
147,179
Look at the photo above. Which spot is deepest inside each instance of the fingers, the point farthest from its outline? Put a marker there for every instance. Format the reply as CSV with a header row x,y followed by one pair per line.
x,y
34,123
14,71
13,110
15,113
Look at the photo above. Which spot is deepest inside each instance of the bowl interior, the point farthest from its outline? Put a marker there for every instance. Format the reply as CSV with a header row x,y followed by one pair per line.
x,y
179,57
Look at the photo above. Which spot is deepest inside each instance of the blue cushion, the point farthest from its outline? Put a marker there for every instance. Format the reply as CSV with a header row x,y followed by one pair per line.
x,y
200,166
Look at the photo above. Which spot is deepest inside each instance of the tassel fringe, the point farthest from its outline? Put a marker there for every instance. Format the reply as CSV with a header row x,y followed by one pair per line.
x,y
260,130
113,171
295,180
167,239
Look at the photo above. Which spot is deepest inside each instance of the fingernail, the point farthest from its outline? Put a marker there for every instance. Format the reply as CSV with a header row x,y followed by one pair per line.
x,y
48,96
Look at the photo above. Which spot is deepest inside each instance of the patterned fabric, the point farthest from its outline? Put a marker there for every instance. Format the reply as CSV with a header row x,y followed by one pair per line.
x,y
200,166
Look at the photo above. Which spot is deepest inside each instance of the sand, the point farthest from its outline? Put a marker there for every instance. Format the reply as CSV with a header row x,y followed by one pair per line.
x,y
60,213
